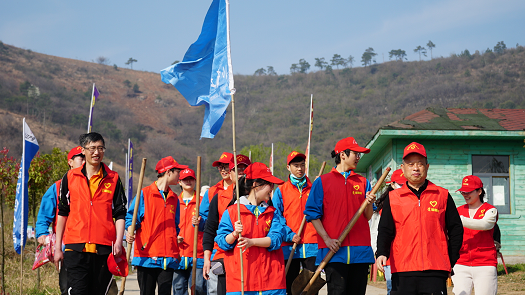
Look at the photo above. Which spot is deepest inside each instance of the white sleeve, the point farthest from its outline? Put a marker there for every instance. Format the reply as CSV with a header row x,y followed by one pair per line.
x,y
373,223
486,223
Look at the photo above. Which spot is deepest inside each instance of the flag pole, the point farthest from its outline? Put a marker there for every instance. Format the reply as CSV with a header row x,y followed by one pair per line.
x,y
310,127
91,108
23,203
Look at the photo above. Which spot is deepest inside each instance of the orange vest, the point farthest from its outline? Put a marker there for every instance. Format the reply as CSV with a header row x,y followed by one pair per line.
x,y
157,235
187,231
224,197
478,245
420,242
294,203
90,219
263,269
215,189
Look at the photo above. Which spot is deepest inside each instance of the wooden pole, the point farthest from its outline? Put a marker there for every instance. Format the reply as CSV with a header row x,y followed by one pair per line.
x,y
237,188
134,220
196,229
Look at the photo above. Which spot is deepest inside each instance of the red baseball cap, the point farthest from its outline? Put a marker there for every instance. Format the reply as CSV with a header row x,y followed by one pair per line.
x,y
241,159
350,144
294,155
260,170
414,147
168,163
398,177
224,159
470,183
74,152
118,265
187,173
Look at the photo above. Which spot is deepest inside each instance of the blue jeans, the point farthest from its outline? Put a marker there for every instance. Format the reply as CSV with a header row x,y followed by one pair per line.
x,y
182,281
388,278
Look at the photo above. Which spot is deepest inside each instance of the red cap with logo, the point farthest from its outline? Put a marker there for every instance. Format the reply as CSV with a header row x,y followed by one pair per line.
x,y
260,170
398,177
74,152
414,147
294,155
187,173
168,163
470,183
241,159
349,143
224,159
118,265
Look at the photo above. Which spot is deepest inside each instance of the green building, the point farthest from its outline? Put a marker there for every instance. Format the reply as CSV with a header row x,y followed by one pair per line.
x,y
488,143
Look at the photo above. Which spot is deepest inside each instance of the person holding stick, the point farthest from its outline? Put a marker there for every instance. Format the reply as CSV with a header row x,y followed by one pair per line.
x,y
188,219
47,214
214,267
333,200
289,200
420,230
477,263
262,235
156,255
91,214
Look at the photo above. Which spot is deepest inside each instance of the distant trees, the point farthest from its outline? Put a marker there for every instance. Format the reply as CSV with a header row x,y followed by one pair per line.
x,y
320,63
368,56
350,60
337,61
294,68
262,72
130,62
101,60
421,50
304,66
397,54
430,45
500,47
270,71
175,62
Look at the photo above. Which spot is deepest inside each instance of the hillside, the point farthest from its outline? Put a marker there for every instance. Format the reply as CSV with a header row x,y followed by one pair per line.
x,y
348,102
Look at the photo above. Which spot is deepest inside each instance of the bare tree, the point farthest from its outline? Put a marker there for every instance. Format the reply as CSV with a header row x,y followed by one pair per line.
x,y
102,60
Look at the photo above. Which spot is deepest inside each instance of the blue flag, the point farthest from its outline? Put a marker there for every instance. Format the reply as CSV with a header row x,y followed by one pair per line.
x,y
30,148
205,74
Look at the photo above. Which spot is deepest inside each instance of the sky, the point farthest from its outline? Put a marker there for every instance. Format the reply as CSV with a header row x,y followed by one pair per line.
x,y
263,33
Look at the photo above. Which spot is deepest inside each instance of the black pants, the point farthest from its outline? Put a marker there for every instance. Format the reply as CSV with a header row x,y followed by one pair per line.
x,y
62,280
148,279
344,278
87,273
418,285
295,269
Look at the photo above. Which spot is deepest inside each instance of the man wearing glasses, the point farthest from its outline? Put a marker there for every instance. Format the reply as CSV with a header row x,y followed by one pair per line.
x,y
91,197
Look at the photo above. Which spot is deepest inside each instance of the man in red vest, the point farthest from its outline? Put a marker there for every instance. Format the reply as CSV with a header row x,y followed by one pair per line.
x,y
48,210
289,200
420,230
91,197
156,253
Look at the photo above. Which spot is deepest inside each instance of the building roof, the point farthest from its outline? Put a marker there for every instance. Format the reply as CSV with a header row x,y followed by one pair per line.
x,y
462,119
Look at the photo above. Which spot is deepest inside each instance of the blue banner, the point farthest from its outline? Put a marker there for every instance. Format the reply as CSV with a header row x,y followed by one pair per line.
x,y
30,148
205,74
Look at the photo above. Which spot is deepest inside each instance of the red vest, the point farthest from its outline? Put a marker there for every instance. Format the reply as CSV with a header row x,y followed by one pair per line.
x,y
157,235
478,245
224,198
187,231
294,203
90,219
263,269
341,200
215,189
420,242
57,185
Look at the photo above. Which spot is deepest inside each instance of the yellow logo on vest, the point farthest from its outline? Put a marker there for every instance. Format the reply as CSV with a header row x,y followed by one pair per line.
x,y
356,190
172,209
482,213
268,225
433,204
107,185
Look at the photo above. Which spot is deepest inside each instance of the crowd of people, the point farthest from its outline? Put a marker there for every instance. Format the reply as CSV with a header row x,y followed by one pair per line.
x,y
413,232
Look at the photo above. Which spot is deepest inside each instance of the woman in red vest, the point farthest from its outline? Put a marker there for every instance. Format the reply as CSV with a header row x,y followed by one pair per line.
x,y
477,263
262,235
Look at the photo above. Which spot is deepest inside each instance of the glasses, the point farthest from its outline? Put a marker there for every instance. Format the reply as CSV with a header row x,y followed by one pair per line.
x,y
357,155
223,167
240,169
91,149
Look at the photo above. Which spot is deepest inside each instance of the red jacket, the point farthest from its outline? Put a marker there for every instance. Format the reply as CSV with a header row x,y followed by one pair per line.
x,y
478,245
224,198
187,230
294,203
91,220
420,242
263,269
157,235
342,199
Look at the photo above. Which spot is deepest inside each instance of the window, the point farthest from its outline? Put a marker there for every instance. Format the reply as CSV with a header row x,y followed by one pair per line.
x,y
494,172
